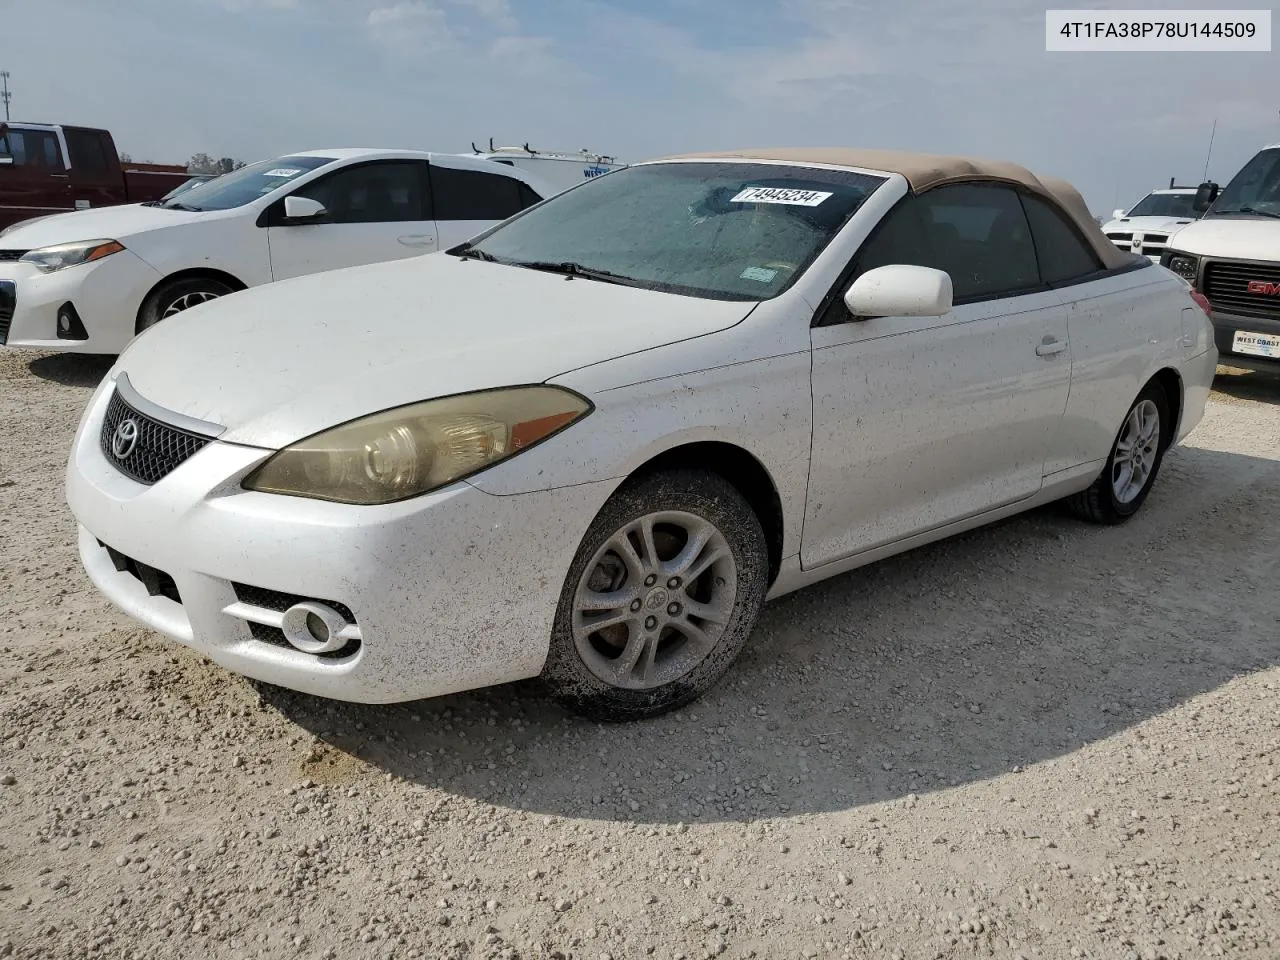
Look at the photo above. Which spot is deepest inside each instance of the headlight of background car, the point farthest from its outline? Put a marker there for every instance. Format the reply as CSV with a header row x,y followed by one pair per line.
x,y
412,450
1180,263
49,259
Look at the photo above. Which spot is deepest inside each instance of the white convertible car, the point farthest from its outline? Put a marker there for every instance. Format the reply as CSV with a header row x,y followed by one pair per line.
x,y
589,444
89,280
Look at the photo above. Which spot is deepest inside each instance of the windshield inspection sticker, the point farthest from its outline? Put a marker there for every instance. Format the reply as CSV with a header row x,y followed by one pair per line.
x,y
282,172
763,274
801,198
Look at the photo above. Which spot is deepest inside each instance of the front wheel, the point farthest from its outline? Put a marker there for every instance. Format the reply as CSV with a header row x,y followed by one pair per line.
x,y
663,592
176,296
1133,463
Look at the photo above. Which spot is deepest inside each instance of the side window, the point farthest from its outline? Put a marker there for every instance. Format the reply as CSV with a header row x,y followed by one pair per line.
x,y
474,195
1062,254
980,236
528,196
898,238
380,192
37,149
85,148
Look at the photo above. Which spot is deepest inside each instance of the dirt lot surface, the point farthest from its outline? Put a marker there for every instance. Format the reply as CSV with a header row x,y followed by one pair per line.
x,y
1042,739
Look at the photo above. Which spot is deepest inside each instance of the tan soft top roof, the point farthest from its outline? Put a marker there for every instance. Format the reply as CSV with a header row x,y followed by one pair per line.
x,y
924,171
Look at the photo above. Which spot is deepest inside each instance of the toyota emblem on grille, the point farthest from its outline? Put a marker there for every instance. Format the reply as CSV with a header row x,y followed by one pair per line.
x,y
124,439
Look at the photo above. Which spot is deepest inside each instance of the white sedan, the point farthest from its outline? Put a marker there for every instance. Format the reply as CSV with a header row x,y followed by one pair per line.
x,y
591,443
88,281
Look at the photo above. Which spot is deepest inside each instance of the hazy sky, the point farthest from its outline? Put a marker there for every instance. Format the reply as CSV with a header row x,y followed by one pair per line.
x,y
637,78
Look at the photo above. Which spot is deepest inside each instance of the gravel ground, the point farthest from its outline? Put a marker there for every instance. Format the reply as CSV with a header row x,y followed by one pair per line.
x,y
1041,739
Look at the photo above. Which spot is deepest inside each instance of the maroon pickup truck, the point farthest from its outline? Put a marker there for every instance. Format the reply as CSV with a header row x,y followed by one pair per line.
x,y
49,168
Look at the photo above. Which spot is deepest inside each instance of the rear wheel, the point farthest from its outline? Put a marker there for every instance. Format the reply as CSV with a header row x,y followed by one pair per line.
x,y
176,296
663,592
1135,459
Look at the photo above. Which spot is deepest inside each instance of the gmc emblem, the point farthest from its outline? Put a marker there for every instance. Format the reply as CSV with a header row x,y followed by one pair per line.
x,y
1264,287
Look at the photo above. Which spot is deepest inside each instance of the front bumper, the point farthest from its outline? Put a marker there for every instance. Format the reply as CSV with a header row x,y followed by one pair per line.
x,y
450,591
106,295
1225,326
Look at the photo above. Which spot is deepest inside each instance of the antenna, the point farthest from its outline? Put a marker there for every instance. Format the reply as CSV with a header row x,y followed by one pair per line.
x,y
5,95
1205,178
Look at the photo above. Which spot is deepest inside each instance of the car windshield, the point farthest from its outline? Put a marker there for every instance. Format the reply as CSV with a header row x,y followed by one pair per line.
x,y
1175,205
245,185
719,230
1255,189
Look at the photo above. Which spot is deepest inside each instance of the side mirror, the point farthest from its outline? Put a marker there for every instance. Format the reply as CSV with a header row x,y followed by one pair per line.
x,y
900,290
1206,193
1117,214
303,208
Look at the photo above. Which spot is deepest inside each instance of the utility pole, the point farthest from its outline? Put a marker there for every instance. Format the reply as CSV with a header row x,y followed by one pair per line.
x,y
4,94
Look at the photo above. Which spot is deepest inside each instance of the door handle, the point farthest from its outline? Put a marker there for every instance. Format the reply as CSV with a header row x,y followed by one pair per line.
x,y
1049,346
417,240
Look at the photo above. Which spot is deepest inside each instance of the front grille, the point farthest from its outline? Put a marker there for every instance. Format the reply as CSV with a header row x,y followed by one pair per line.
x,y
1226,284
8,303
1120,238
11,256
157,582
158,448
280,602
1159,238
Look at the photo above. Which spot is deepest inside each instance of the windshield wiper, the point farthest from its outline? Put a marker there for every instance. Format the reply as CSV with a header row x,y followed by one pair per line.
x,y
1253,210
571,269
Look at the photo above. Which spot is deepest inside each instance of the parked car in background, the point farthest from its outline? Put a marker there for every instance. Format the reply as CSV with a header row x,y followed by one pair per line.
x,y
51,168
1231,255
590,442
557,169
88,282
1146,226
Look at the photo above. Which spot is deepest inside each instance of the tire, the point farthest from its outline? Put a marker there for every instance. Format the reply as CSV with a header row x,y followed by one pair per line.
x,y
176,296
1103,502
697,522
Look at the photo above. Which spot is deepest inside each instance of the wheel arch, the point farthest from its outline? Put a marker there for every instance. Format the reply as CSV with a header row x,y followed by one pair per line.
x,y
1171,382
192,273
739,468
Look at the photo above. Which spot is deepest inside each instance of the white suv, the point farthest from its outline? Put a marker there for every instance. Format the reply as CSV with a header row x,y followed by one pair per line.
x,y
1146,227
88,281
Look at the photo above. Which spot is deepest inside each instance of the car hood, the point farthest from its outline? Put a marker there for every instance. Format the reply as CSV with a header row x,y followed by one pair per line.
x,y
1131,224
277,363
104,223
1234,238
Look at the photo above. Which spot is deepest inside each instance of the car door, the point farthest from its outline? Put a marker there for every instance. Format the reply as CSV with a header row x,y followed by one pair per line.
x,y
468,201
374,211
96,176
921,421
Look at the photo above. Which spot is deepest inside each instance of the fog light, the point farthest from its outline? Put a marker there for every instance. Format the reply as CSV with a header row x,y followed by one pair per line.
x,y
314,627
69,325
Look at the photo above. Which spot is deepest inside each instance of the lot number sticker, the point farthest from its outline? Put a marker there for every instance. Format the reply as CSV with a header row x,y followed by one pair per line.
x,y
282,172
800,198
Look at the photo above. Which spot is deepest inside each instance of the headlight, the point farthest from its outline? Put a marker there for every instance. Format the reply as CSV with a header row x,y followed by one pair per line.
x,y
412,450
49,259
1180,263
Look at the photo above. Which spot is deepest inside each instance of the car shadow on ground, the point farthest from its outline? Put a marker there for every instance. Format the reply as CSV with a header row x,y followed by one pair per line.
x,y
71,369
960,661
1234,383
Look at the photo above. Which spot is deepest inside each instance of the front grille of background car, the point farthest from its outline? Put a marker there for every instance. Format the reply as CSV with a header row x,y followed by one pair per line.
x,y
1120,239
1226,284
280,602
8,303
9,256
159,450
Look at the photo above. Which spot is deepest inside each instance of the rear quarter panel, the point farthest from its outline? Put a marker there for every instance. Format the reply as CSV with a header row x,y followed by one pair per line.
x,y
1123,329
